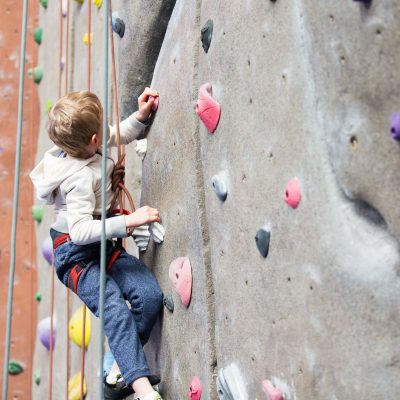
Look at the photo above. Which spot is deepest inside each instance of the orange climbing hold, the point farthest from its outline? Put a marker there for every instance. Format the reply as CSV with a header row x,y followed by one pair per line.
x,y
207,108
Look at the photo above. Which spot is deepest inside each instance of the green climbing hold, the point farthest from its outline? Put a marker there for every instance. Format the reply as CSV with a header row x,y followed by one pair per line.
x,y
44,3
38,296
49,105
37,213
37,377
37,35
36,73
14,367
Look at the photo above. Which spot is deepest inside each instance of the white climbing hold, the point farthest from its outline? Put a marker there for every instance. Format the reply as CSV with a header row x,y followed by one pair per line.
x,y
141,148
64,8
230,384
141,236
157,232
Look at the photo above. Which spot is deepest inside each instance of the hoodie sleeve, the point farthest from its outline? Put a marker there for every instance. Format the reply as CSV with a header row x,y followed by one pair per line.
x,y
130,129
80,200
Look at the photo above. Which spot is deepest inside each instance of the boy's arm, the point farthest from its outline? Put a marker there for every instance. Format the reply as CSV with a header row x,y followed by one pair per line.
x,y
80,200
130,129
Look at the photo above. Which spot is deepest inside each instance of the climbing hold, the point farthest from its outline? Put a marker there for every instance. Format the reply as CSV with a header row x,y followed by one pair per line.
x,y
98,3
155,104
75,327
44,3
157,232
262,241
86,38
219,186
395,126
141,148
195,389
108,361
37,377
207,108
293,193
36,73
38,34
141,236
38,296
206,35
180,275
43,330
49,105
37,213
47,250
74,387
64,8
62,64
271,391
169,303
118,25
15,368
230,384
79,1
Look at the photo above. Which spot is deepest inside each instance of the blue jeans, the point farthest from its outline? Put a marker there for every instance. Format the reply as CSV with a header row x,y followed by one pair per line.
x,y
129,279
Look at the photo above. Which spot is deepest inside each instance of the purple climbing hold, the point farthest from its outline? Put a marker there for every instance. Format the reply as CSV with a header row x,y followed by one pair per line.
x,y
47,250
44,332
395,126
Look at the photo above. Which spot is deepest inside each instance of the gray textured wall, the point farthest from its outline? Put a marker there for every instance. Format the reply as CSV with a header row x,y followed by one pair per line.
x,y
307,89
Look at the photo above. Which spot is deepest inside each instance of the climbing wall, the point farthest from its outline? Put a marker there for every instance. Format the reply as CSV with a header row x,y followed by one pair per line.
x,y
307,90
24,314
286,212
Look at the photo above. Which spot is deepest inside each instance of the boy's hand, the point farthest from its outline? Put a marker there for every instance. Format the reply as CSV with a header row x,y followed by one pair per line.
x,y
145,102
142,216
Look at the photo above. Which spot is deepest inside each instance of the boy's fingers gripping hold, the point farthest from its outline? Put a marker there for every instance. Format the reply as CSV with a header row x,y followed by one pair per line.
x,y
142,216
146,102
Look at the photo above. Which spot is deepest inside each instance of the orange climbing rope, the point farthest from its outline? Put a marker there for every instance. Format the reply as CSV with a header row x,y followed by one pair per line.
x,y
119,170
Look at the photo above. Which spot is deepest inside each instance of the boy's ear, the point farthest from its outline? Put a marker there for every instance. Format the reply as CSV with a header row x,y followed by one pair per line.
x,y
94,139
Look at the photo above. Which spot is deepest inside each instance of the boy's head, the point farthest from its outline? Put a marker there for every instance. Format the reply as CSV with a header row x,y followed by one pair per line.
x,y
73,121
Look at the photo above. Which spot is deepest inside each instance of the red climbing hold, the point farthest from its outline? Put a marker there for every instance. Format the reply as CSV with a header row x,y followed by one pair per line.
x,y
155,104
271,391
293,193
207,108
195,389
180,275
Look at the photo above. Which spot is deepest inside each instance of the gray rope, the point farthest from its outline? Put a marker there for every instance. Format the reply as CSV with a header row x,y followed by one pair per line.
x,y
103,201
15,201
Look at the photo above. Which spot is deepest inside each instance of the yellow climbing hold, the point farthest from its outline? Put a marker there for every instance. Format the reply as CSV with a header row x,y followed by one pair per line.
x,y
74,387
86,38
79,1
75,327
98,3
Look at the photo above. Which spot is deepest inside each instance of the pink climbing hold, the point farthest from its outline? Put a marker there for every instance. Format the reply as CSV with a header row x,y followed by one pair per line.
x,y
180,275
195,389
207,108
47,250
271,391
293,193
155,104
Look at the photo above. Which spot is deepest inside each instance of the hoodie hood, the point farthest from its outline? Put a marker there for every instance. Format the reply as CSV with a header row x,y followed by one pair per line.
x,y
53,170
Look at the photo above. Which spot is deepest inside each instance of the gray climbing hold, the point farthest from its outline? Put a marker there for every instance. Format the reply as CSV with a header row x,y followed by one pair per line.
x,y
169,303
262,241
230,384
219,186
206,35
118,25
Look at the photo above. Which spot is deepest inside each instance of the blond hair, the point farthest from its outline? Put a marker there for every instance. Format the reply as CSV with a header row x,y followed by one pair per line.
x,y
73,120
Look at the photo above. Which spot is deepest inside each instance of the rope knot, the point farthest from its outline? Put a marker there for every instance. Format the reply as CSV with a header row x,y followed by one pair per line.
x,y
118,175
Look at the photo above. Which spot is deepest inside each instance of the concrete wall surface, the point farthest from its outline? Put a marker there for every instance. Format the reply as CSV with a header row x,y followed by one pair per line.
x,y
307,90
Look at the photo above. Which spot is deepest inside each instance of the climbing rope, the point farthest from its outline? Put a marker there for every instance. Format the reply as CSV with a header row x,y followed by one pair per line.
x,y
15,199
83,348
103,202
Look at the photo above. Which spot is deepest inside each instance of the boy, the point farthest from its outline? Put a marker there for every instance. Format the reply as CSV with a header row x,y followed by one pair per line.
x,y
69,176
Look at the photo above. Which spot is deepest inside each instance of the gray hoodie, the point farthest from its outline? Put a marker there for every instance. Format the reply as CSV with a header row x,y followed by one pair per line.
x,y
73,185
